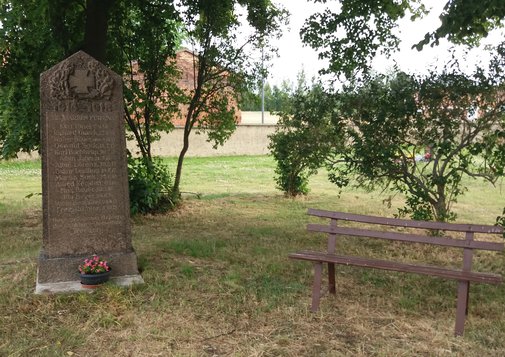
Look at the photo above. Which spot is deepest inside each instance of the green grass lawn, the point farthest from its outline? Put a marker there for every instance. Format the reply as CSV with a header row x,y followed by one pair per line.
x,y
218,281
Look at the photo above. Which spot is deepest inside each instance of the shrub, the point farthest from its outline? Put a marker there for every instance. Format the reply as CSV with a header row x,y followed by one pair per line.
x,y
150,185
422,135
307,136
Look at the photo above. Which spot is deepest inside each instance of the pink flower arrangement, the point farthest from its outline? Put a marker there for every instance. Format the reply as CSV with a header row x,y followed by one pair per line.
x,y
94,265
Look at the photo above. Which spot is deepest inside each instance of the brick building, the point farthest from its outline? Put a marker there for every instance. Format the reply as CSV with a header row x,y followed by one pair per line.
x,y
186,62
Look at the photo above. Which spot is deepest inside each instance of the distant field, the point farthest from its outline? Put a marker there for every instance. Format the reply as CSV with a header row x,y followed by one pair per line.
x,y
218,281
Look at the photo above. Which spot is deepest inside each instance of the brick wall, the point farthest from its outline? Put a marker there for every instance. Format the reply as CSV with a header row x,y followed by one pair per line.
x,y
186,62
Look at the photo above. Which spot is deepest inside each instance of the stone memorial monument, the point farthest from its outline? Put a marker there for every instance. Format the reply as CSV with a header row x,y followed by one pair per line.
x,y
84,174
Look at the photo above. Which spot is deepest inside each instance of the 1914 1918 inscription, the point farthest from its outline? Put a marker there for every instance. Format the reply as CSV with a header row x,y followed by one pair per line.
x,y
84,173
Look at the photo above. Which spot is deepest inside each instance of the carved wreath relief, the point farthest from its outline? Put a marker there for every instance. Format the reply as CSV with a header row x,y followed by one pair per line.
x,y
84,80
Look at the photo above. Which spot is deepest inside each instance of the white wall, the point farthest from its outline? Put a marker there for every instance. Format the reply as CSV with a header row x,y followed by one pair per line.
x,y
255,118
246,140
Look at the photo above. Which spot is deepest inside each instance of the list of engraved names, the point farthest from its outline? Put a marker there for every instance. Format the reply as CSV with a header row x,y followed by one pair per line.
x,y
85,175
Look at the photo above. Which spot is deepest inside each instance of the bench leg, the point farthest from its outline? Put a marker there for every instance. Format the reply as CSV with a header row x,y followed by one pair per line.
x,y
462,307
316,288
331,278
467,298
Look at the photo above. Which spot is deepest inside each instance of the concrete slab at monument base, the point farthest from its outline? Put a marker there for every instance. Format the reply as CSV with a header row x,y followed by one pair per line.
x,y
74,286
53,274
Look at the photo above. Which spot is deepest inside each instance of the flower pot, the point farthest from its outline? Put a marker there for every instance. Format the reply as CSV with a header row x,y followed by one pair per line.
x,y
92,281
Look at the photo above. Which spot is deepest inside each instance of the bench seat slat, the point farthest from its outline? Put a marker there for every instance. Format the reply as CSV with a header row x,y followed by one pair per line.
x,y
416,238
401,267
456,227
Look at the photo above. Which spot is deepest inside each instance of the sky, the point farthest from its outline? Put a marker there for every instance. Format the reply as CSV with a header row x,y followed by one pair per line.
x,y
293,56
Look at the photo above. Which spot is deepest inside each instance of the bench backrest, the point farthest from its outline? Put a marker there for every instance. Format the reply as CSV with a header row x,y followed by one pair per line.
x,y
464,275
468,243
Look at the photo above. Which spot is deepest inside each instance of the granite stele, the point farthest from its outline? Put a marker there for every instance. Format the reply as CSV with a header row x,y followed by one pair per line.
x,y
84,175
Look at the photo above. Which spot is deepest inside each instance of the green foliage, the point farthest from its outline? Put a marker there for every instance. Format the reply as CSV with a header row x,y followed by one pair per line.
x,y
307,136
351,37
220,121
421,136
142,54
276,98
467,21
353,34
250,101
223,67
419,208
34,35
142,37
150,186
19,120
37,34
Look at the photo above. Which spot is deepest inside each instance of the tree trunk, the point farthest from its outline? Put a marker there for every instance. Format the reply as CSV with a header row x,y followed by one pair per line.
x,y
193,112
441,209
178,172
185,146
95,37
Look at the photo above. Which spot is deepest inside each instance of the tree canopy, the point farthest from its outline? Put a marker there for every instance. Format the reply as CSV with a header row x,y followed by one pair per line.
x,y
138,39
350,36
421,135
412,134
276,98
223,65
37,34
467,21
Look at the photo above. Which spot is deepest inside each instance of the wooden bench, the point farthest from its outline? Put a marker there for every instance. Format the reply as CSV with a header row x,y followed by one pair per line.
x,y
464,276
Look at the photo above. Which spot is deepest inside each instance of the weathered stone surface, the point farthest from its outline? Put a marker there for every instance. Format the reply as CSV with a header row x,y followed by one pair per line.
x,y
65,268
84,173
73,286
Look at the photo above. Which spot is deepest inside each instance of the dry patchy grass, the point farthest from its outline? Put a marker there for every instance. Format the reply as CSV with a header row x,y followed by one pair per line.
x,y
218,282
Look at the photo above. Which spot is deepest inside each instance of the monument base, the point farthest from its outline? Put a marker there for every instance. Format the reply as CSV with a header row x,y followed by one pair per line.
x,y
74,286
61,274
